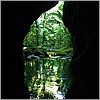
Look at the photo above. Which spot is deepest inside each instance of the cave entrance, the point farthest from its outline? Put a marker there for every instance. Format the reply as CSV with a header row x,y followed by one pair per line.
x,y
47,53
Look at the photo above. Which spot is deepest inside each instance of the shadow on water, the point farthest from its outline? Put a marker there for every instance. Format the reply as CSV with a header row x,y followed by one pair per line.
x,y
48,78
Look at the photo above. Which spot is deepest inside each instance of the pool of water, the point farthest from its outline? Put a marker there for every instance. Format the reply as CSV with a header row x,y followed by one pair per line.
x,y
48,78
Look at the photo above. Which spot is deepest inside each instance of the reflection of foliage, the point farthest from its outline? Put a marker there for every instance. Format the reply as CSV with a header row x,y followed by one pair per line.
x,y
49,31
45,95
48,35
47,74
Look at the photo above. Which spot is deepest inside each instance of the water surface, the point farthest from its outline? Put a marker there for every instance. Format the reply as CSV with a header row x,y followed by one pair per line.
x,y
48,78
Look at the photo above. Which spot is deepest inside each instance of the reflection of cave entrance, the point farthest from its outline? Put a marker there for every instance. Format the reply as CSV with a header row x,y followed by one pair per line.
x,y
47,55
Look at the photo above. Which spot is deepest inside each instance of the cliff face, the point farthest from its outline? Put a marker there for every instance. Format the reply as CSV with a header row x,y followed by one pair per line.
x,y
82,20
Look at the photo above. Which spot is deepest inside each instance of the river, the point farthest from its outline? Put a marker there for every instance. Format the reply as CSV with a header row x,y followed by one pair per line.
x,y
49,77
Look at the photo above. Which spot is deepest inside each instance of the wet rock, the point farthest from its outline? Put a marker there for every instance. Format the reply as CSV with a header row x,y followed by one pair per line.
x,y
32,57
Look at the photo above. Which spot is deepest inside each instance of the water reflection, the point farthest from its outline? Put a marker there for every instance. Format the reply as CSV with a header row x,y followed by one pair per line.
x,y
48,78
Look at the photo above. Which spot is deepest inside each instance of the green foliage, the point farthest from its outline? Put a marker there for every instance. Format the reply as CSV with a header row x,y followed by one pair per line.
x,y
48,31
46,75
48,35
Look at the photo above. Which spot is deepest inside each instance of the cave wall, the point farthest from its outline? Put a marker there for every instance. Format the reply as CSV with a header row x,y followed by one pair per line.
x,y
82,20
16,18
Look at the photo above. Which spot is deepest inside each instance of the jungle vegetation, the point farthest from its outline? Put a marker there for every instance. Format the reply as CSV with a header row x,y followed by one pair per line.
x,y
49,34
50,45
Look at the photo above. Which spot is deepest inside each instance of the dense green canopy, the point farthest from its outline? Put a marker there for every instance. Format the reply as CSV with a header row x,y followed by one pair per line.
x,y
49,43
48,31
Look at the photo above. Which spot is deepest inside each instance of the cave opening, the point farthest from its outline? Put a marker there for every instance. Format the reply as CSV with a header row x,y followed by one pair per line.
x,y
47,52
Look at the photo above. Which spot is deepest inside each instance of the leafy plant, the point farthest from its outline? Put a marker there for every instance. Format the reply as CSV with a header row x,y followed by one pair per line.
x,y
48,35
48,31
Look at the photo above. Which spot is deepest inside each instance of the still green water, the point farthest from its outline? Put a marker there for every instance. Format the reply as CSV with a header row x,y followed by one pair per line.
x,y
48,78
